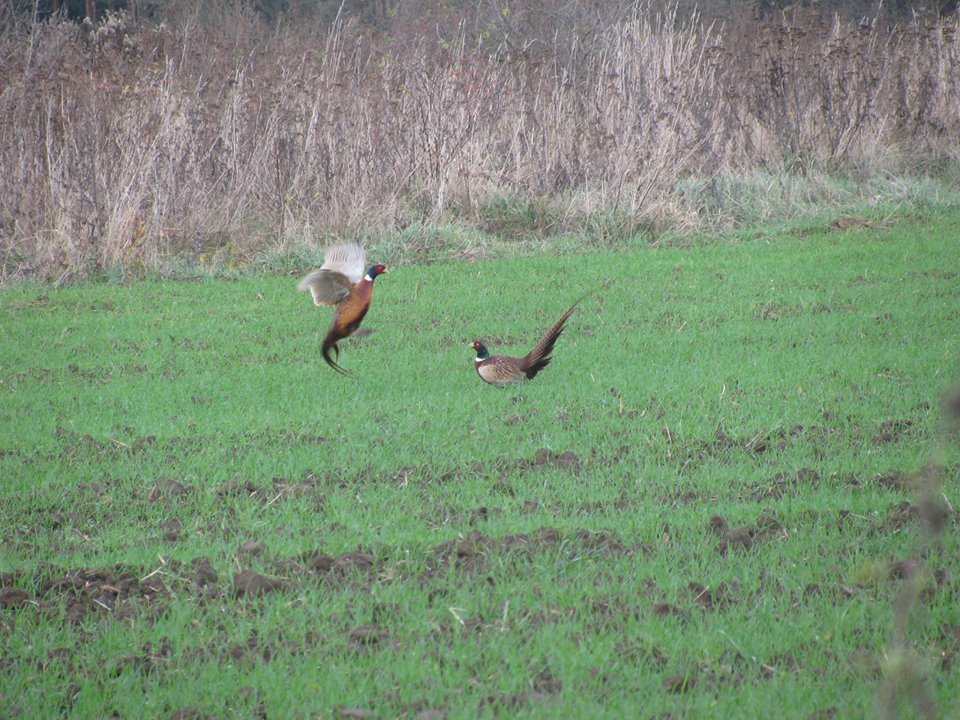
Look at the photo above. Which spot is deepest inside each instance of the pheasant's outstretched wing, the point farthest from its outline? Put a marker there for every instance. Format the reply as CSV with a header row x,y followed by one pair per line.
x,y
342,268
349,259
328,287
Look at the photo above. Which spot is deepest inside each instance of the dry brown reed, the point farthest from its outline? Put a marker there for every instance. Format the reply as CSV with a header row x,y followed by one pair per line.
x,y
124,145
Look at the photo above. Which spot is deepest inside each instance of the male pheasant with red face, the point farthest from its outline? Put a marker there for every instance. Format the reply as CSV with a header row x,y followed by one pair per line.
x,y
341,282
506,370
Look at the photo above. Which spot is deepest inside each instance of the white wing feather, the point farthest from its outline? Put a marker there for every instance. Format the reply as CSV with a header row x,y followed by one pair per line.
x,y
343,266
349,259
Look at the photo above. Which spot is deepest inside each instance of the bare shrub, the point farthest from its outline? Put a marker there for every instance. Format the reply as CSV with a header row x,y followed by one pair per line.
x,y
833,92
214,133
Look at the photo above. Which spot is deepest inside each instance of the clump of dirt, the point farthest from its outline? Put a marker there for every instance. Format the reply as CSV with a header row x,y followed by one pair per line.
x,y
474,550
892,481
190,713
347,713
807,476
481,513
677,684
544,457
141,444
544,684
774,311
688,497
744,537
98,376
781,484
203,573
366,636
722,442
766,525
147,661
164,487
252,548
345,567
721,439
250,649
739,538
465,552
892,431
115,592
238,487
601,541
269,494
823,714
631,651
76,444
718,525
430,714
733,669
499,470
408,474
825,308
904,569
171,529
122,592
899,516
665,609
251,583
11,597
757,444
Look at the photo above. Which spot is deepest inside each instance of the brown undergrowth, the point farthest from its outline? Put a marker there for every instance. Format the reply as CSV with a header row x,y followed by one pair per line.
x,y
216,136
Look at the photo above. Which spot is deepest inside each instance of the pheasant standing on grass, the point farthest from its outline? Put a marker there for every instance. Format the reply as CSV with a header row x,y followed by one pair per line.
x,y
341,282
506,370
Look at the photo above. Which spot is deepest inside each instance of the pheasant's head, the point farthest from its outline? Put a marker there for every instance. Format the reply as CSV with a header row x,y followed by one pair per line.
x,y
374,271
482,352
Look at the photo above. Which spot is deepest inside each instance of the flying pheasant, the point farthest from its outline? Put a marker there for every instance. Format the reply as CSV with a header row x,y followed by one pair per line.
x,y
340,282
506,370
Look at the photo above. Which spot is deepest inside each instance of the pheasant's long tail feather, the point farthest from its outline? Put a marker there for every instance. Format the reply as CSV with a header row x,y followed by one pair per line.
x,y
538,358
325,351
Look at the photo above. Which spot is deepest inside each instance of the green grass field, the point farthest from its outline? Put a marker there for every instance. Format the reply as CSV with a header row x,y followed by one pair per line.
x,y
428,546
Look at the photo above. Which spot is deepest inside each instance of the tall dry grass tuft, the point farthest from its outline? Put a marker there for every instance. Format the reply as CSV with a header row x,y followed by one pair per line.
x,y
215,132
836,93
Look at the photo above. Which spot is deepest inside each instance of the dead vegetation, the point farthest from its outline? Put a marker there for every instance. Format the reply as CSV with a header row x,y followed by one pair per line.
x,y
218,135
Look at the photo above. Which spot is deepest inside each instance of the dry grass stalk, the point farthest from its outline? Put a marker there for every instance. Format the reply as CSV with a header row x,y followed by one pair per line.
x,y
124,145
